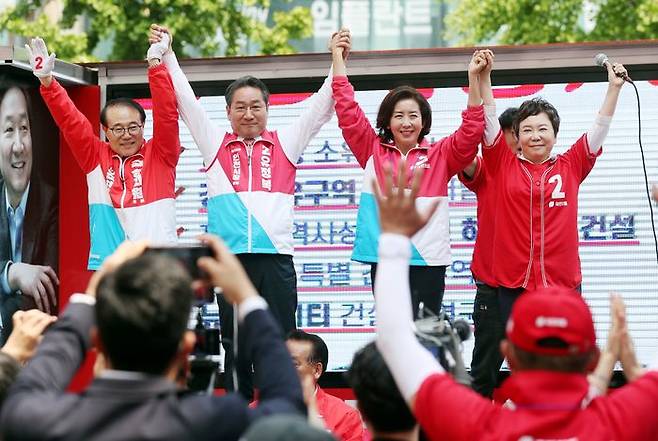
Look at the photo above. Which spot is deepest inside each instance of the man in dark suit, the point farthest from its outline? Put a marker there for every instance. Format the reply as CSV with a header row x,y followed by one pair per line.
x,y
28,218
142,307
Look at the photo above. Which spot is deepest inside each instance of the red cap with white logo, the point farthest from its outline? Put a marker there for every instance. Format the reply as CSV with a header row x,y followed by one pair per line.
x,y
552,321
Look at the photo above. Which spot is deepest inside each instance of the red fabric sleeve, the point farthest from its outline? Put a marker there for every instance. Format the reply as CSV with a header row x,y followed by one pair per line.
x,y
166,142
462,146
493,154
447,410
478,178
580,159
357,131
630,411
75,127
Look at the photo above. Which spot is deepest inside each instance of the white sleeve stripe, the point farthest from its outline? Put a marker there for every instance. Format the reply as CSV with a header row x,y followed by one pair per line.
x,y
409,362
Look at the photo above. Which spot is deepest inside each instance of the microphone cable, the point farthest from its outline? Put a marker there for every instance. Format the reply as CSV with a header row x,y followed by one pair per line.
x,y
644,167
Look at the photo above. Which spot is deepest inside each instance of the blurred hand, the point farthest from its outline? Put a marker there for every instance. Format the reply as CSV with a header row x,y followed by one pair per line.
x,y
340,42
617,325
397,206
225,271
35,281
159,33
27,333
654,192
632,368
126,251
477,64
42,63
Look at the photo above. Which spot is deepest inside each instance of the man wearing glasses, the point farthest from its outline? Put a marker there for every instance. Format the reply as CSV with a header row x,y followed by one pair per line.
x,y
130,181
251,184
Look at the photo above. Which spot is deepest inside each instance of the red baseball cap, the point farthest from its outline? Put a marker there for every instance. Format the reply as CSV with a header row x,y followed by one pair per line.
x,y
552,321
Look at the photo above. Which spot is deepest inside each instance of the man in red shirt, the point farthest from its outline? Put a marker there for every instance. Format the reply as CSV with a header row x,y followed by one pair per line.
x,y
550,346
310,356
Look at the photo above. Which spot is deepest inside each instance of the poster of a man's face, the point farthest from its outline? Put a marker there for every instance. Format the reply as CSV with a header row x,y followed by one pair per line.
x,y
29,147
15,144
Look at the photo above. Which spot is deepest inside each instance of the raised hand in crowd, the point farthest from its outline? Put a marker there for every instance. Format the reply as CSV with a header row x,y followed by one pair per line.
x,y
225,271
35,281
26,334
41,61
599,379
397,204
632,367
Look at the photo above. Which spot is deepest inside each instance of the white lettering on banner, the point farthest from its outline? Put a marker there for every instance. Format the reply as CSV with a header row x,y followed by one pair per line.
x,y
417,17
136,172
616,249
236,167
387,18
265,168
109,177
325,17
356,17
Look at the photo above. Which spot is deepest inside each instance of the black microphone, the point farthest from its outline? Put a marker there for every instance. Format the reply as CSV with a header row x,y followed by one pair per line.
x,y
602,59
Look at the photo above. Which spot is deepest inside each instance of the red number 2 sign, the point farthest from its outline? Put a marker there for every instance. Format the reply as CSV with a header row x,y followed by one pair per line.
x,y
38,62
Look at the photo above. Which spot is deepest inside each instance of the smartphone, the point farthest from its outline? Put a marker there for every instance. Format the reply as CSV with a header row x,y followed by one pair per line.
x,y
187,255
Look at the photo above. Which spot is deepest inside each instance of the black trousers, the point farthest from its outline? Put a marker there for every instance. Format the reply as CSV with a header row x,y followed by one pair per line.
x,y
427,285
275,279
491,311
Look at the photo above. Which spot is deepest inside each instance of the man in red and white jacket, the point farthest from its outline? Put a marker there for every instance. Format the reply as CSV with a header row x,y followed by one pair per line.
x,y
551,345
130,181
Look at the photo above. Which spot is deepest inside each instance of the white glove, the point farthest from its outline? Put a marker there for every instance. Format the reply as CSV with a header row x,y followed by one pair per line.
x,y
157,50
42,63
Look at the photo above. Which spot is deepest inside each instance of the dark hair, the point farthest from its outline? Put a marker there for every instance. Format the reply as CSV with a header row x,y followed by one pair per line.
x,y
378,398
247,81
142,311
319,352
577,363
506,119
387,106
534,107
122,102
28,103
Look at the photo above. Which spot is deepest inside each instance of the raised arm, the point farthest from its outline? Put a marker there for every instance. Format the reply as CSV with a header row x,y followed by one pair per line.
x,y
320,107
396,341
75,127
166,141
491,124
462,146
357,130
206,135
599,130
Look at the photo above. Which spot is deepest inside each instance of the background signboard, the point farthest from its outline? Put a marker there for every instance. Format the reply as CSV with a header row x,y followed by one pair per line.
x,y
335,299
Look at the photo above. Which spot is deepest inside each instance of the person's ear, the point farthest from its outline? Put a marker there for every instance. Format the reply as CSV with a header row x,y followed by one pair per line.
x,y
507,349
317,371
595,355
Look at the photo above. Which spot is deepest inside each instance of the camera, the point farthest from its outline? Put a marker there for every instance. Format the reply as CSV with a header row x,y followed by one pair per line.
x,y
188,255
443,338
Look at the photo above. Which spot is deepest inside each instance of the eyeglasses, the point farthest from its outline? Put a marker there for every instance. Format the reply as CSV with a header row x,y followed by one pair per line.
x,y
120,131
241,110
